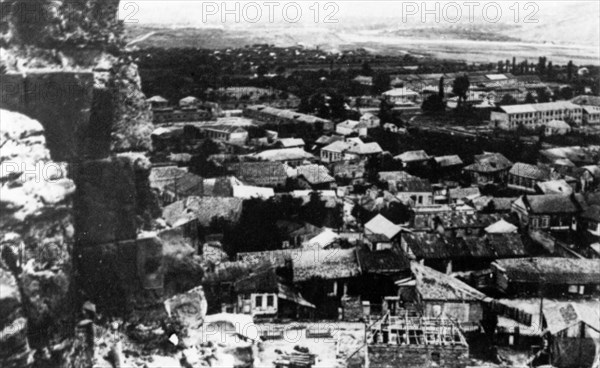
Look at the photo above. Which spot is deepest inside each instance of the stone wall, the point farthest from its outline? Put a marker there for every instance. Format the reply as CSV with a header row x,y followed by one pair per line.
x,y
417,356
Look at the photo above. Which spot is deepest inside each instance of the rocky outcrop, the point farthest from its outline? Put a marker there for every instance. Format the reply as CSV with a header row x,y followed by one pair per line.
x,y
36,231
14,348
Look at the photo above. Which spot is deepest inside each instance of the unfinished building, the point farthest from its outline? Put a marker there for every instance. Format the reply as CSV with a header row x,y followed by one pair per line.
x,y
394,342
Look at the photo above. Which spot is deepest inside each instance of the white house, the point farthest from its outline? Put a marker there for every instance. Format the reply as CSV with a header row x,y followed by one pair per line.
x,y
349,127
401,96
370,120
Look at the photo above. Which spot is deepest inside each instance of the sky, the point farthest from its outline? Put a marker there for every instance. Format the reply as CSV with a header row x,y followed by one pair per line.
x,y
210,13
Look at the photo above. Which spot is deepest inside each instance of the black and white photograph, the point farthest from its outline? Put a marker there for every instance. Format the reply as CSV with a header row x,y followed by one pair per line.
x,y
299,184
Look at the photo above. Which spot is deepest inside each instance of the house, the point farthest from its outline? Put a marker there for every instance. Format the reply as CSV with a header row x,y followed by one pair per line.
x,y
364,80
326,140
352,171
351,149
183,186
525,176
532,116
266,294
161,176
370,120
362,151
249,191
448,164
189,102
271,174
556,127
158,102
350,127
580,156
290,143
591,115
226,133
335,272
381,268
334,152
443,296
414,192
270,115
501,227
458,195
394,178
379,225
554,187
467,253
204,209
548,277
574,329
489,168
290,156
393,128
401,96
413,158
548,212
315,176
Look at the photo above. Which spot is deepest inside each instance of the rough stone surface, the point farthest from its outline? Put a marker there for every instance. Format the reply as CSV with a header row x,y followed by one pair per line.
x,y
114,199
36,231
14,348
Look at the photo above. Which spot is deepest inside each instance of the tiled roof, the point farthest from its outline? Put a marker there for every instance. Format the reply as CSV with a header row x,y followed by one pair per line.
x,y
395,176
381,225
434,285
291,142
256,172
550,203
283,154
308,263
446,161
551,270
412,156
366,148
489,162
382,261
204,209
415,186
530,171
315,174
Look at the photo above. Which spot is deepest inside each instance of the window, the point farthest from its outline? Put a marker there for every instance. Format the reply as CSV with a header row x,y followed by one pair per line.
x,y
573,289
545,222
270,300
535,223
258,301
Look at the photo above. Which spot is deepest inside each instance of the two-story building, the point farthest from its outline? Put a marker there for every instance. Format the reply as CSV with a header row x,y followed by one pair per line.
x,y
548,212
532,116
489,168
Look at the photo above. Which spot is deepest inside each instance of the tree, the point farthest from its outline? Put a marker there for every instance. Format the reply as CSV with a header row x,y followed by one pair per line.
x,y
366,68
543,95
508,99
433,103
460,87
541,67
529,98
566,93
441,88
381,83
570,70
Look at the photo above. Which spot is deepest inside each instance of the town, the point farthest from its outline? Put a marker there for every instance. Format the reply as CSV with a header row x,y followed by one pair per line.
x,y
271,206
